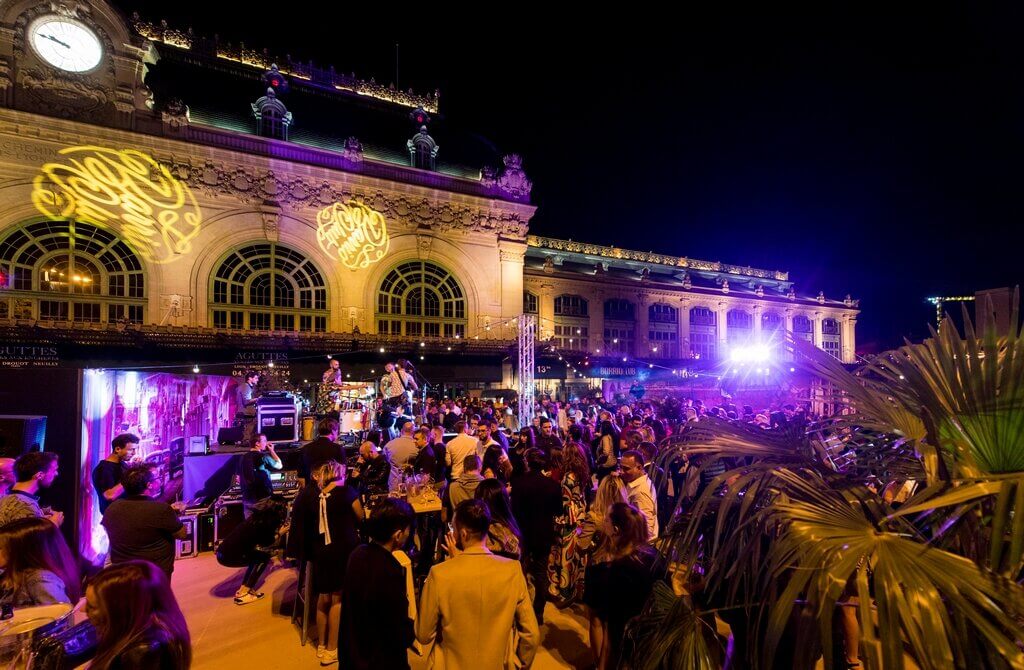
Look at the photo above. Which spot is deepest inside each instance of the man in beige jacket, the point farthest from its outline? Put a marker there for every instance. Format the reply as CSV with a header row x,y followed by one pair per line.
x,y
478,601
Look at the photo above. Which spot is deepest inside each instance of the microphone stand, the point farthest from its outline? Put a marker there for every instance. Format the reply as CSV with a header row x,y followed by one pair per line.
x,y
424,383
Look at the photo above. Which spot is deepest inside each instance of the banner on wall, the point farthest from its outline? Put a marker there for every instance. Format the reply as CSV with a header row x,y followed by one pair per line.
x,y
28,356
273,366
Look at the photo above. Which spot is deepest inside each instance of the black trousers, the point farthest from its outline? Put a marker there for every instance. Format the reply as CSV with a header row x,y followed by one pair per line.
x,y
537,570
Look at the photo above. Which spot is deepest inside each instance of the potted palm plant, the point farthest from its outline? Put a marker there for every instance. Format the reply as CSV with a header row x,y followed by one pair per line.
x,y
795,558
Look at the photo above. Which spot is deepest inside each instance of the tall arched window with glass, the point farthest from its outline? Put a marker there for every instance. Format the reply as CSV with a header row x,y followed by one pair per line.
x,y
619,327
530,303
831,338
803,328
269,287
739,328
70,271
663,331
703,333
571,329
421,299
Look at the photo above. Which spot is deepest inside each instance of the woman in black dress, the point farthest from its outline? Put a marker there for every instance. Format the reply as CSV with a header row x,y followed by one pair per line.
x,y
618,580
331,522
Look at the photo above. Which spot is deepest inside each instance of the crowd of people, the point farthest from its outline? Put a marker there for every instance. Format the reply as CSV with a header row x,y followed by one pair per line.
x,y
563,512
129,603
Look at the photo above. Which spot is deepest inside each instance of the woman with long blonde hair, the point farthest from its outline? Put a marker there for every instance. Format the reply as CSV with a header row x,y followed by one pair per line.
x,y
332,520
610,491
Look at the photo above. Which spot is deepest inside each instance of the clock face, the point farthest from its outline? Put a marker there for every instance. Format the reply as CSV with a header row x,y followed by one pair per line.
x,y
66,44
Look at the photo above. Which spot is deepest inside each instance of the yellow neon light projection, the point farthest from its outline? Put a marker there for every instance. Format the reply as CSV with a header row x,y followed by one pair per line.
x,y
123,189
353,232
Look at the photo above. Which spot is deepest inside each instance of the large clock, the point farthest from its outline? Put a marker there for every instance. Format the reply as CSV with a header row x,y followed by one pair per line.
x,y
66,44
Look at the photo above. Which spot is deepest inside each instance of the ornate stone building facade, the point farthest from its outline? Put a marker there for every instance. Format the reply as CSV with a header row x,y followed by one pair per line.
x,y
165,186
120,210
615,302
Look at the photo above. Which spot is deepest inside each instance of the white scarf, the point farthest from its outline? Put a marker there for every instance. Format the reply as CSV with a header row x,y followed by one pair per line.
x,y
325,529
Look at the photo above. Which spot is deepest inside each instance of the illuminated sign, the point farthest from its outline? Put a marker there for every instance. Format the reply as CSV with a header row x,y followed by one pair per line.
x,y
123,189
353,232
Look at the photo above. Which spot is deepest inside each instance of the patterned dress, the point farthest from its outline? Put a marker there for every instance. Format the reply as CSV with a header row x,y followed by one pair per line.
x,y
567,561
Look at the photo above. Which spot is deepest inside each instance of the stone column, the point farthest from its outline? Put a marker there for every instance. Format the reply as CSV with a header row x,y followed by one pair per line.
x,y
546,312
721,313
788,325
818,341
640,337
511,291
757,311
849,341
683,329
596,326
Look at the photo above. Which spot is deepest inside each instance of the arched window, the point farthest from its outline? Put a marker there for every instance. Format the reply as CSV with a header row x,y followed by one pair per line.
x,y
420,299
571,327
771,322
803,329
739,327
661,331
70,271
529,303
703,333
570,305
831,339
620,326
269,286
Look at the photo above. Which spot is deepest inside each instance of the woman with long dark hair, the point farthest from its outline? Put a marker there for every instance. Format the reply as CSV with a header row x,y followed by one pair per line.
x,y
503,536
567,562
138,622
38,568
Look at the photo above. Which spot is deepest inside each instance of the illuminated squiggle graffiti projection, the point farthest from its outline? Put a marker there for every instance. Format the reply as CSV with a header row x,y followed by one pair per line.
x,y
123,189
353,232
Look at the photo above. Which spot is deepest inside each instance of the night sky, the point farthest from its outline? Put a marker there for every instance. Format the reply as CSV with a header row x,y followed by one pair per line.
x,y
868,152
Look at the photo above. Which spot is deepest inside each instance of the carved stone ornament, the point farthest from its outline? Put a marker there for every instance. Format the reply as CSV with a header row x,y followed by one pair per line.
x,y
271,216
511,255
423,244
252,187
487,177
513,180
65,97
759,291
549,266
821,297
725,286
791,295
353,151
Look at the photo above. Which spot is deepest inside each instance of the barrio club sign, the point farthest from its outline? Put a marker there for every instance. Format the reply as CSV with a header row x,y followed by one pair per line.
x,y
353,233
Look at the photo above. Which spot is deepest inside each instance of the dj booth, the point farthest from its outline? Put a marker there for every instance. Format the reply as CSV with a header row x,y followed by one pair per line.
x,y
277,414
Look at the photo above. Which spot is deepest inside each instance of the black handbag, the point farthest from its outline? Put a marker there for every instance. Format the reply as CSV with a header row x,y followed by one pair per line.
x,y
66,649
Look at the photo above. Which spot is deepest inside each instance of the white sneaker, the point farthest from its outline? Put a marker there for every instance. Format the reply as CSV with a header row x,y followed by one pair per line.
x,y
329,657
320,649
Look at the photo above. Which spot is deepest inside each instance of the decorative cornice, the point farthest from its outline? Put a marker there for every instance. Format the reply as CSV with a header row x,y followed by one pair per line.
x,y
253,187
261,60
650,257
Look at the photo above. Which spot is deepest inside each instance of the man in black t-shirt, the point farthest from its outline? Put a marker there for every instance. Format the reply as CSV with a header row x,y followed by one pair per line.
x,y
138,525
254,472
108,473
324,448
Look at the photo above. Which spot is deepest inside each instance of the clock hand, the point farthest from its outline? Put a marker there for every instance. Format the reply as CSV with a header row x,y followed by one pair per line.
x,y
54,39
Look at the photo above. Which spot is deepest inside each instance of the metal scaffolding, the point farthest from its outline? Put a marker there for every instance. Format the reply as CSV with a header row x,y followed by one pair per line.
x,y
527,336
